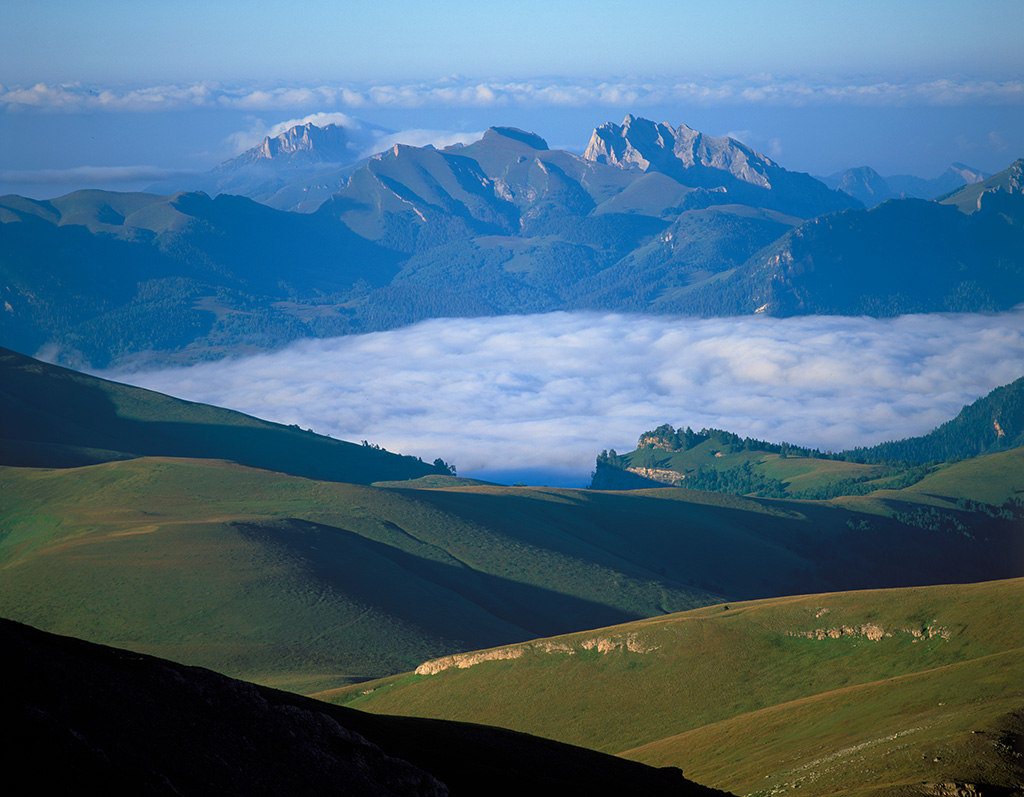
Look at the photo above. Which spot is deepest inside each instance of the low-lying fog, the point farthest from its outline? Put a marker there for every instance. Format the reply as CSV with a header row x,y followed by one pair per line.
x,y
535,398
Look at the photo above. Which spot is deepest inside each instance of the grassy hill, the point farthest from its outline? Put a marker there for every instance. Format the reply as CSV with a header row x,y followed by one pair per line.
x,y
55,417
713,459
308,583
851,693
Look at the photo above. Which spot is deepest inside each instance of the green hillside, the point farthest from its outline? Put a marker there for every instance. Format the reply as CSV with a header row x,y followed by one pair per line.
x,y
713,459
288,580
992,423
851,693
306,583
55,417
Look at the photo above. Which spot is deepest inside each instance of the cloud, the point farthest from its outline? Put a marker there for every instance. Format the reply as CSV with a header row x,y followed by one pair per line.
x,y
460,92
92,175
548,392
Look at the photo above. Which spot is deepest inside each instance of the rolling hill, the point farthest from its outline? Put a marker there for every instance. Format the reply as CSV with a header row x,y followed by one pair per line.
x,y
713,459
912,692
305,583
290,579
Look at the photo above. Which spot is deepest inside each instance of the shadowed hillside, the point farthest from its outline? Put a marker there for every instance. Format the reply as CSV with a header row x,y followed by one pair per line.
x,y
89,717
55,417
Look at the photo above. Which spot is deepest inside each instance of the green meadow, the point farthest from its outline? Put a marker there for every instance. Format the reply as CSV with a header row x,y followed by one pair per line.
x,y
843,693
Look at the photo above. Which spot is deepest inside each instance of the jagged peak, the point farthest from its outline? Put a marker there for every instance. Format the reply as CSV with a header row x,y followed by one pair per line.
x,y
647,145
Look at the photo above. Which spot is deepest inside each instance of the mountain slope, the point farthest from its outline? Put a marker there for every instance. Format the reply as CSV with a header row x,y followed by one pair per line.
x,y
847,693
904,256
992,423
867,185
82,716
295,170
972,198
656,219
716,165
102,276
54,417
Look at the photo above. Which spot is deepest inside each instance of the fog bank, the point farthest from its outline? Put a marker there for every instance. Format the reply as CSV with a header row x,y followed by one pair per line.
x,y
535,398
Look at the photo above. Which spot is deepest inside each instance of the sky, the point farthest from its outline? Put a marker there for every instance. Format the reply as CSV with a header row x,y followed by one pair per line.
x,y
536,398
118,94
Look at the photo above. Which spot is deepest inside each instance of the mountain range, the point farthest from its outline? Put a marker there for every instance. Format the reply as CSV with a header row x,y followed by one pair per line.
x,y
650,219
294,170
867,185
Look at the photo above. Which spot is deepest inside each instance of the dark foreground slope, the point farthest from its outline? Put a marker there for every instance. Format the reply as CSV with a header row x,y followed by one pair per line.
x,y
80,717
54,417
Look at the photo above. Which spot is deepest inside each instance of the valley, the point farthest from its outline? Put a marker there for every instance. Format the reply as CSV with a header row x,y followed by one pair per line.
x,y
763,617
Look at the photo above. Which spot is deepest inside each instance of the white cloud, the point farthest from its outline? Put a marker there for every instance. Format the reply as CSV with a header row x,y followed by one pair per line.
x,y
457,92
550,391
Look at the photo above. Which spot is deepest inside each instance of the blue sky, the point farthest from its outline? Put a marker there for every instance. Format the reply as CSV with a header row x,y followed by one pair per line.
x,y
906,87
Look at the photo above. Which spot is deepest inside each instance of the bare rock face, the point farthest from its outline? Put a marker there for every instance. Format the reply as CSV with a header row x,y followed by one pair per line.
x,y
655,146
732,172
308,143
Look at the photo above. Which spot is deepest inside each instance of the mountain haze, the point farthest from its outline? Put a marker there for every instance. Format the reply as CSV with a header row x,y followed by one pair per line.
x,y
295,170
867,185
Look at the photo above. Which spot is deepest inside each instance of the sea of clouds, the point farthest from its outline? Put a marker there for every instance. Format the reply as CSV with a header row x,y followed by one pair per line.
x,y
457,91
535,398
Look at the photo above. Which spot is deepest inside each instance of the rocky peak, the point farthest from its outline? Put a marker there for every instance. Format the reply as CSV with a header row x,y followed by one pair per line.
x,y
323,141
303,144
651,146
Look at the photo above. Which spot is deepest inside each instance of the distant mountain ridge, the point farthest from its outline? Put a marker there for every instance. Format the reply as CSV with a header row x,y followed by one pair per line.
x,y
310,143
717,164
962,253
678,222
295,170
867,185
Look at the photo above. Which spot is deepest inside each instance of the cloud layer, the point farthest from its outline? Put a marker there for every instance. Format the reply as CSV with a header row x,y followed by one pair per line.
x,y
546,393
457,92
